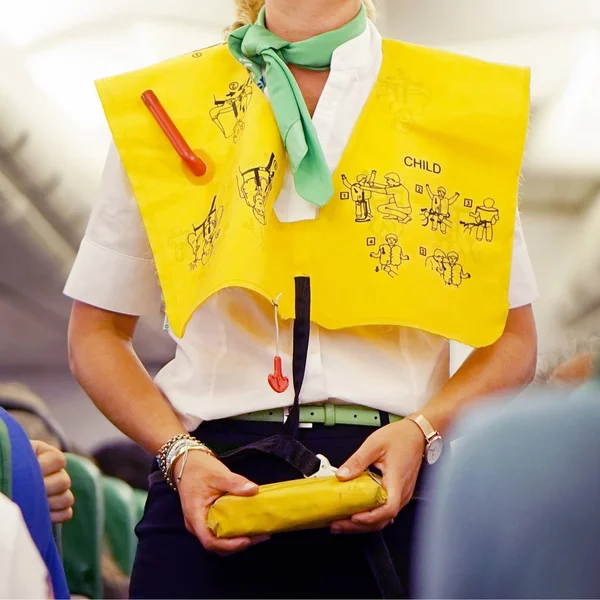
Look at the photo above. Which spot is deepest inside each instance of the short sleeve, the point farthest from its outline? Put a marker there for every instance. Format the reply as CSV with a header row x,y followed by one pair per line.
x,y
523,287
114,268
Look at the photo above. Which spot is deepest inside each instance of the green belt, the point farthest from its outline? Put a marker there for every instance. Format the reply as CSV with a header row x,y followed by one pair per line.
x,y
328,414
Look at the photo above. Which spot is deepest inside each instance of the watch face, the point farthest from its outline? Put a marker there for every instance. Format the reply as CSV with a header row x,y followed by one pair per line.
x,y
434,450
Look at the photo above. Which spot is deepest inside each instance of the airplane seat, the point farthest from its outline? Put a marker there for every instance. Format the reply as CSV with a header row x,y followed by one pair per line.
x,y
5,462
12,405
82,536
121,517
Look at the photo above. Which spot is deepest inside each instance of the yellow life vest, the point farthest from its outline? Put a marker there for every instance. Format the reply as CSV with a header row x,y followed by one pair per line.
x,y
419,230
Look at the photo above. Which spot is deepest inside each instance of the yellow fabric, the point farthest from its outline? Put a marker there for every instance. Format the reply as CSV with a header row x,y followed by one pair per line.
x,y
297,504
419,231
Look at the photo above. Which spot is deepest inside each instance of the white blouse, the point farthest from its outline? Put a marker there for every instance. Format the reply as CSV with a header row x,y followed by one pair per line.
x,y
23,573
223,360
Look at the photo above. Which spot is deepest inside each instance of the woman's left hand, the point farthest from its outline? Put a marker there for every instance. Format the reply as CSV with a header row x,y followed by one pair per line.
x,y
397,451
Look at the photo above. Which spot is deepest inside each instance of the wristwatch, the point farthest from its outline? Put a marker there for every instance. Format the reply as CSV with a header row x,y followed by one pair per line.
x,y
433,440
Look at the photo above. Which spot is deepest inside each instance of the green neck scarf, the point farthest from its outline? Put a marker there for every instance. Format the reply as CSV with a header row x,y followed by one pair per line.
x,y
256,47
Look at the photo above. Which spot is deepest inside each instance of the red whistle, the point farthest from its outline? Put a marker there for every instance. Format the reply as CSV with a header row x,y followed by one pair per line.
x,y
195,164
277,380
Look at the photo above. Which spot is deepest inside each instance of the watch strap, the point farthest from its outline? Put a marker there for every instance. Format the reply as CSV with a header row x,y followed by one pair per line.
x,y
424,425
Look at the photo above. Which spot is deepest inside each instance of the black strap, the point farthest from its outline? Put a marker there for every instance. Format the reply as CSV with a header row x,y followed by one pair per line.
x,y
286,445
384,418
283,446
300,352
382,566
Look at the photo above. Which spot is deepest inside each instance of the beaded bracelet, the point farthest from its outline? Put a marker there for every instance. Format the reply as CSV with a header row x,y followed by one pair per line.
x,y
183,451
173,449
166,447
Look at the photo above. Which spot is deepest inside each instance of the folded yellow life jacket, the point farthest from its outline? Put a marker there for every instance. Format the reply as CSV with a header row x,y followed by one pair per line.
x,y
296,504
419,230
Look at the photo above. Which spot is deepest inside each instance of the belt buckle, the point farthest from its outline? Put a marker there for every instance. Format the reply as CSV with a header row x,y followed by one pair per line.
x,y
286,414
324,470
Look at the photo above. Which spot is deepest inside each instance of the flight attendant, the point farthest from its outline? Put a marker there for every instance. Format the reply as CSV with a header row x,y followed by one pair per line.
x,y
309,101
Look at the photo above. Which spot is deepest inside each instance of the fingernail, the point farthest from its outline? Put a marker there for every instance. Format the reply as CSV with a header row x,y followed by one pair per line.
x,y
344,472
249,486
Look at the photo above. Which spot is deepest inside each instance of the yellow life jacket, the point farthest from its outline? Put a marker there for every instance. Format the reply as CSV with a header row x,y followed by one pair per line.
x,y
403,241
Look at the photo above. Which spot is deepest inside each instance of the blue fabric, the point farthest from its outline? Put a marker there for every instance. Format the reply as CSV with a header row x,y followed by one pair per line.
x,y
29,494
516,512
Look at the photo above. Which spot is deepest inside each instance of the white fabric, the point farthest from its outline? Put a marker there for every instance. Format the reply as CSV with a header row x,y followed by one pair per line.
x,y
223,360
23,573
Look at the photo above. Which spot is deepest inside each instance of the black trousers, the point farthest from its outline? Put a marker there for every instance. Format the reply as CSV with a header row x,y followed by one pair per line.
x,y
171,562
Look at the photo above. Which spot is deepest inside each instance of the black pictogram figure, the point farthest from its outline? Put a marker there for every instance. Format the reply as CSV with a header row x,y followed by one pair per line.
x,y
361,192
202,238
484,218
229,113
254,186
397,206
390,256
438,215
448,267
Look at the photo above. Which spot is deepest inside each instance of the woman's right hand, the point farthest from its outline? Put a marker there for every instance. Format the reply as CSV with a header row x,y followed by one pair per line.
x,y
205,478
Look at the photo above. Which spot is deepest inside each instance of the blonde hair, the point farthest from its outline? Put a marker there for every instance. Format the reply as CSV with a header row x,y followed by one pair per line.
x,y
247,10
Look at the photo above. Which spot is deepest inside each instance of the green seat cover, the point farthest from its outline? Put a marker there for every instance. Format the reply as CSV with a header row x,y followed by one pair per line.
x,y
5,462
82,536
120,519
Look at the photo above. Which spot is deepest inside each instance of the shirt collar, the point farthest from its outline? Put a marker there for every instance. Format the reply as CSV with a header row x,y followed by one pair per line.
x,y
361,52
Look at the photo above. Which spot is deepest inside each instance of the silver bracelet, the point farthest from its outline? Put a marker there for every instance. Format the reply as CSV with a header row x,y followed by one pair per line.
x,y
183,451
165,450
176,447
174,451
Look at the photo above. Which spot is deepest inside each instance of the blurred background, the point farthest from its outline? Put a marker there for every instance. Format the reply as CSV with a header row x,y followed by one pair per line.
x,y
53,140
